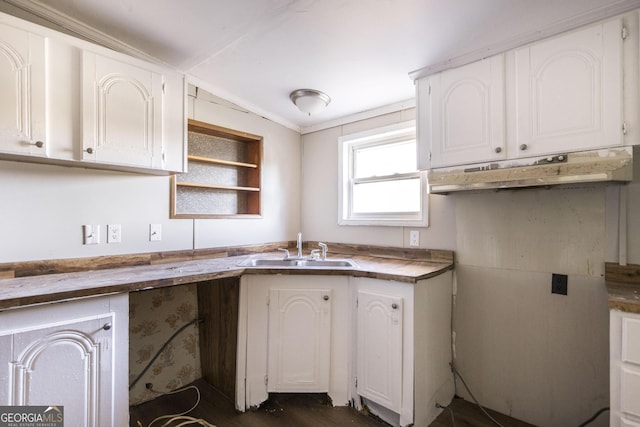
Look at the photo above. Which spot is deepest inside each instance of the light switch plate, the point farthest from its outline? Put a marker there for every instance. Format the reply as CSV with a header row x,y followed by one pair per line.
x,y
155,232
91,234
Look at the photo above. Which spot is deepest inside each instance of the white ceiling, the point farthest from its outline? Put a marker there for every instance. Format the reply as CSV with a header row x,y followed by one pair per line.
x,y
360,52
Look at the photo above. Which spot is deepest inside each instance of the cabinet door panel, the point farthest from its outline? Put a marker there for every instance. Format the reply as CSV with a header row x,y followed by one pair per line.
x,y
71,362
569,92
122,113
299,340
379,335
22,85
467,113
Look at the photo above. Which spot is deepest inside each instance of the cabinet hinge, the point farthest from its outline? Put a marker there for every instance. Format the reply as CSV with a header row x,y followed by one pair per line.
x,y
266,379
429,89
268,300
624,128
356,382
163,88
624,33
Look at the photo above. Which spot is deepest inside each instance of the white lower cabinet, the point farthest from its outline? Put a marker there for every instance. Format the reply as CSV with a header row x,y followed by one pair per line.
x,y
402,348
379,349
299,340
625,369
367,342
293,336
71,354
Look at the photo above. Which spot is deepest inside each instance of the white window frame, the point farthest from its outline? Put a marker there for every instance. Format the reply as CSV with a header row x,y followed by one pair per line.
x,y
387,134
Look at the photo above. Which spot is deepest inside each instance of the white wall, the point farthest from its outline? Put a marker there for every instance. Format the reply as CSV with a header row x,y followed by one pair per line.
x,y
540,357
320,195
42,208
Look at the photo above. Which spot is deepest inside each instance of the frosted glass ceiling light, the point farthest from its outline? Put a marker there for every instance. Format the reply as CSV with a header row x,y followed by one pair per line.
x,y
309,101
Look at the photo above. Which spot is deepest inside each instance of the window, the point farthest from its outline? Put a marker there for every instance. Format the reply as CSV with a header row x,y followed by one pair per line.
x,y
379,179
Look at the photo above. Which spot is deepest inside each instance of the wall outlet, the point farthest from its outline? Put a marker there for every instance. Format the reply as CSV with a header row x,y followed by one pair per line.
x,y
114,233
414,238
559,284
155,232
91,234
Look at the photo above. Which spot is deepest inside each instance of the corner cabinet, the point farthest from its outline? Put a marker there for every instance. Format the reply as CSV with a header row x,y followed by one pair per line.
x,y
224,174
292,337
561,94
299,340
72,354
69,102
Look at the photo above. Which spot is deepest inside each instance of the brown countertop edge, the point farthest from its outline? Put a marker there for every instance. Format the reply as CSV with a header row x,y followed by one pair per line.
x,y
623,287
59,280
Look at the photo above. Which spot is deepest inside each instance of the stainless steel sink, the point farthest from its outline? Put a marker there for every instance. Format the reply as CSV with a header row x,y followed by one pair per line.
x,y
306,263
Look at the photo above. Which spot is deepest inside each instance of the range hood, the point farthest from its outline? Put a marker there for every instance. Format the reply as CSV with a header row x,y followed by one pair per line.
x,y
606,165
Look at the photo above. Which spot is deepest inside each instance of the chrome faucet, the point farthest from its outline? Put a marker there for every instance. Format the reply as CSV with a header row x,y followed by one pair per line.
x,y
299,245
323,246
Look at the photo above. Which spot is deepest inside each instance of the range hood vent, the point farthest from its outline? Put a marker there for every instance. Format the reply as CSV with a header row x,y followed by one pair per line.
x,y
606,165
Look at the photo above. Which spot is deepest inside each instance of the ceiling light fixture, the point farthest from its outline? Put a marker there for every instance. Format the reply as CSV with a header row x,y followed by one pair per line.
x,y
309,101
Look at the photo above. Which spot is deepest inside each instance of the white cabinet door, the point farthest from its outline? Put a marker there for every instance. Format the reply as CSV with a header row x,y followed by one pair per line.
x,y
299,340
379,349
465,121
66,355
122,113
66,365
22,89
569,92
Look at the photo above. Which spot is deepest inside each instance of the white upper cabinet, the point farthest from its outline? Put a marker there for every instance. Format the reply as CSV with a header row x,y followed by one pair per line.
x,y
22,85
122,113
66,101
569,92
466,110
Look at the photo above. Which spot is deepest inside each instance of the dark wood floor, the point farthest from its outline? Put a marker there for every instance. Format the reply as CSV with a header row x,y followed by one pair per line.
x,y
296,410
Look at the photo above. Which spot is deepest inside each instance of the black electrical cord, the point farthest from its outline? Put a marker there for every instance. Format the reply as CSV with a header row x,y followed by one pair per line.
x,y
146,368
596,415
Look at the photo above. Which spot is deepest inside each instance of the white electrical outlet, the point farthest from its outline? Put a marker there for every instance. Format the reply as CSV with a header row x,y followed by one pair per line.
x,y
155,232
91,234
114,233
414,238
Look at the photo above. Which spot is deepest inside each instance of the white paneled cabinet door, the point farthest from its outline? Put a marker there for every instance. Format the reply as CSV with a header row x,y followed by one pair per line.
x,y
122,113
379,349
71,354
465,118
299,340
22,89
625,369
569,92
66,365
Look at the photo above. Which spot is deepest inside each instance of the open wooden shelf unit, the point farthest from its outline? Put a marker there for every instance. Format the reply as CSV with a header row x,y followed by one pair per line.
x,y
224,174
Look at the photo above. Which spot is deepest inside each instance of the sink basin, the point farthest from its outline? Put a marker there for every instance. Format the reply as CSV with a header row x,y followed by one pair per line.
x,y
307,263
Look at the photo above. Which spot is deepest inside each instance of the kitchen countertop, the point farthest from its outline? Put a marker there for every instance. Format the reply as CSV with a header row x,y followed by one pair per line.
x,y
623,287
48,288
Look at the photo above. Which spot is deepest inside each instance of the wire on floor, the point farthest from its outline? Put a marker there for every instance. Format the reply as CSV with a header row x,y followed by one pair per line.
x,y
453,420
182,418
456,373
593,418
